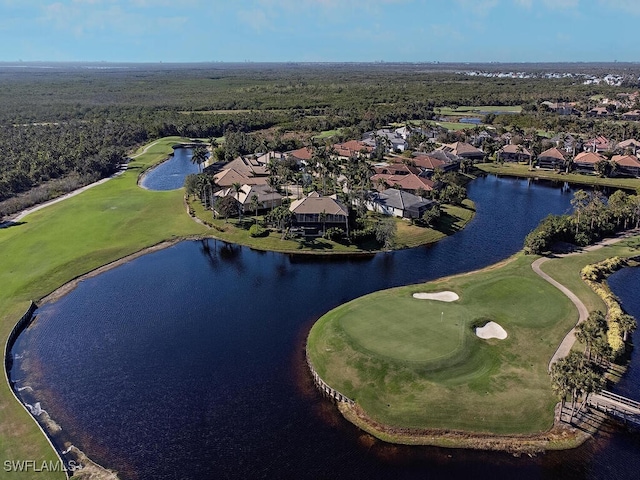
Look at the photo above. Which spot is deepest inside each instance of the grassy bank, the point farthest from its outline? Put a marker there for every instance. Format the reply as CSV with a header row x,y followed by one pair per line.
x,y
417,370
56,244
522,170
454,218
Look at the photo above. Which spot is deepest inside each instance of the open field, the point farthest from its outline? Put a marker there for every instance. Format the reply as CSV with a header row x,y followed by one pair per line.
x,y
478,110
56,244
522,170
417,364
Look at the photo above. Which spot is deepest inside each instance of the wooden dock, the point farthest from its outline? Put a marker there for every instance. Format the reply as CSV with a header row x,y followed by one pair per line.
x,y
616,406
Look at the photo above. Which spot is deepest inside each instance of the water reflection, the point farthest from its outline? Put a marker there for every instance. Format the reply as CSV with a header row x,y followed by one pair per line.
x,y
190,359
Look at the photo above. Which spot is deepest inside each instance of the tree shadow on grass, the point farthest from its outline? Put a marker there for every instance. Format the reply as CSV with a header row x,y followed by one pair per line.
x,y
10,224
447,224
314,244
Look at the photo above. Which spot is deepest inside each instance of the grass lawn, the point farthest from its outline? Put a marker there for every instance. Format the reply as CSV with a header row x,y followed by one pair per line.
x,y
412,363
65,240
418,364
454,219
465,109
522,170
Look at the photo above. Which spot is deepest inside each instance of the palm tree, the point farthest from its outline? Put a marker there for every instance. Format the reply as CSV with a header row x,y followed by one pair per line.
x,y
323,219
237,188
627,324
199,156
255,205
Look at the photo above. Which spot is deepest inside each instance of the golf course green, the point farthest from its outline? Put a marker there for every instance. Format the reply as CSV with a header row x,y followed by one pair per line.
x,y
416,367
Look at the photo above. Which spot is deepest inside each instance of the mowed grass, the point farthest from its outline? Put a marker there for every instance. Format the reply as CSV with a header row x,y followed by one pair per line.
x,y
56,244
522,170
413,363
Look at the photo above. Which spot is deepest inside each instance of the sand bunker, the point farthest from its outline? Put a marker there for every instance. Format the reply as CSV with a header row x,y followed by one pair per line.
x,y
440,296
491,330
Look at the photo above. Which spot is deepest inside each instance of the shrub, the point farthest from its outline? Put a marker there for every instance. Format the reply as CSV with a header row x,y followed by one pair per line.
x,y
256,230
334,233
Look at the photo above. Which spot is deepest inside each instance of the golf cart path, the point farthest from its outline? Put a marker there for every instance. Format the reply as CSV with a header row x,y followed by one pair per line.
x,y
30,210
568,341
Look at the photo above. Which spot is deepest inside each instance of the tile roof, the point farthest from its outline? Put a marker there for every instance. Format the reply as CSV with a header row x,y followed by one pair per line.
x,y
626,160
552,153
588,157
315,204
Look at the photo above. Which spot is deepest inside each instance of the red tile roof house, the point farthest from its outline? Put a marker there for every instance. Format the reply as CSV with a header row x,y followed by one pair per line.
x,y
514,153
627,165
598,144
309,212
552,159
586,161
352,148
430,162
302,155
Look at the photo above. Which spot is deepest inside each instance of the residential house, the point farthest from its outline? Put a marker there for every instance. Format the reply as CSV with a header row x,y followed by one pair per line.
x,y
586,161
265,158
552,158
267,197
598,144
599,112
561,108
389,138
315,212
407,182
248,166
629,146
627,165
514,153
399,203
463,150
302,155
352,148
633,115
226,178
431,162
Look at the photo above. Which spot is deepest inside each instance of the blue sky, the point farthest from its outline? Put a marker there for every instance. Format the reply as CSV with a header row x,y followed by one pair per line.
x,y
319,30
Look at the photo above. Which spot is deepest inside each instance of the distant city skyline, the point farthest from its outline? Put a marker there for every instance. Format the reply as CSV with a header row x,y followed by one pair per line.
x,y
320,30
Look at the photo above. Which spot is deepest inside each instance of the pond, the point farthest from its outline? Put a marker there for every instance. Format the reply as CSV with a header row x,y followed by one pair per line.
x,y
170,174
189,362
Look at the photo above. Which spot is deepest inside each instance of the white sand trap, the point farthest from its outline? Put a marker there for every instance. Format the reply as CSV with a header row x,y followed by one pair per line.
x,y
440,296
491,330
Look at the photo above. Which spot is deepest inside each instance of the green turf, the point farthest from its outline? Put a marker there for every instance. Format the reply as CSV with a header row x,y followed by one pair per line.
x,y
417,363
522,170
56,244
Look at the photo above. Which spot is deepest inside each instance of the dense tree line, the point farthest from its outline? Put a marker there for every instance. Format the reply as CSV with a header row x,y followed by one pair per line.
x,y
593,218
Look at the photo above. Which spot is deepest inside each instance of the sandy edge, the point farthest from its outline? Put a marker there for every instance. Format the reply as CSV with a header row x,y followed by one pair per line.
x,y
439,296
491,330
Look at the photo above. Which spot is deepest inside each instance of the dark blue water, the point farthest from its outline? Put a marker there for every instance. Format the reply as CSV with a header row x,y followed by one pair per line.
x,y
188,362
170,175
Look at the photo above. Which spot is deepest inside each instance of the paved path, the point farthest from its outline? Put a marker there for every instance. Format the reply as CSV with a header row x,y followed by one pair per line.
x,y
28,211
568,341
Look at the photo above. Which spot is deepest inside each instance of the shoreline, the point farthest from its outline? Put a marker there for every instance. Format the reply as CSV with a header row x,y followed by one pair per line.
x,y
560,436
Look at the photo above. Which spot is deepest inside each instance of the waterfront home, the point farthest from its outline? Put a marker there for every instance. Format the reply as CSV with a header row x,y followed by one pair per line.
x,y
408,182
314,212
630,146
552,158
514,153
586,161
399,203
267,197
436,160
463,150
248,166
627,165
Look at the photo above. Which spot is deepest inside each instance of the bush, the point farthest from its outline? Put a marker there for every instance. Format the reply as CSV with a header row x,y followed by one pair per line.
x,y
334,234
256,230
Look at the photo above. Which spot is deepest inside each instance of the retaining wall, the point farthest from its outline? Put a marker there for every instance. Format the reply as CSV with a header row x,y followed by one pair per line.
x,y
328,391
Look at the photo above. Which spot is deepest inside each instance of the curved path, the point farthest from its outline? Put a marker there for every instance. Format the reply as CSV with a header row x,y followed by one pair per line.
x,y
568,341
78,191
